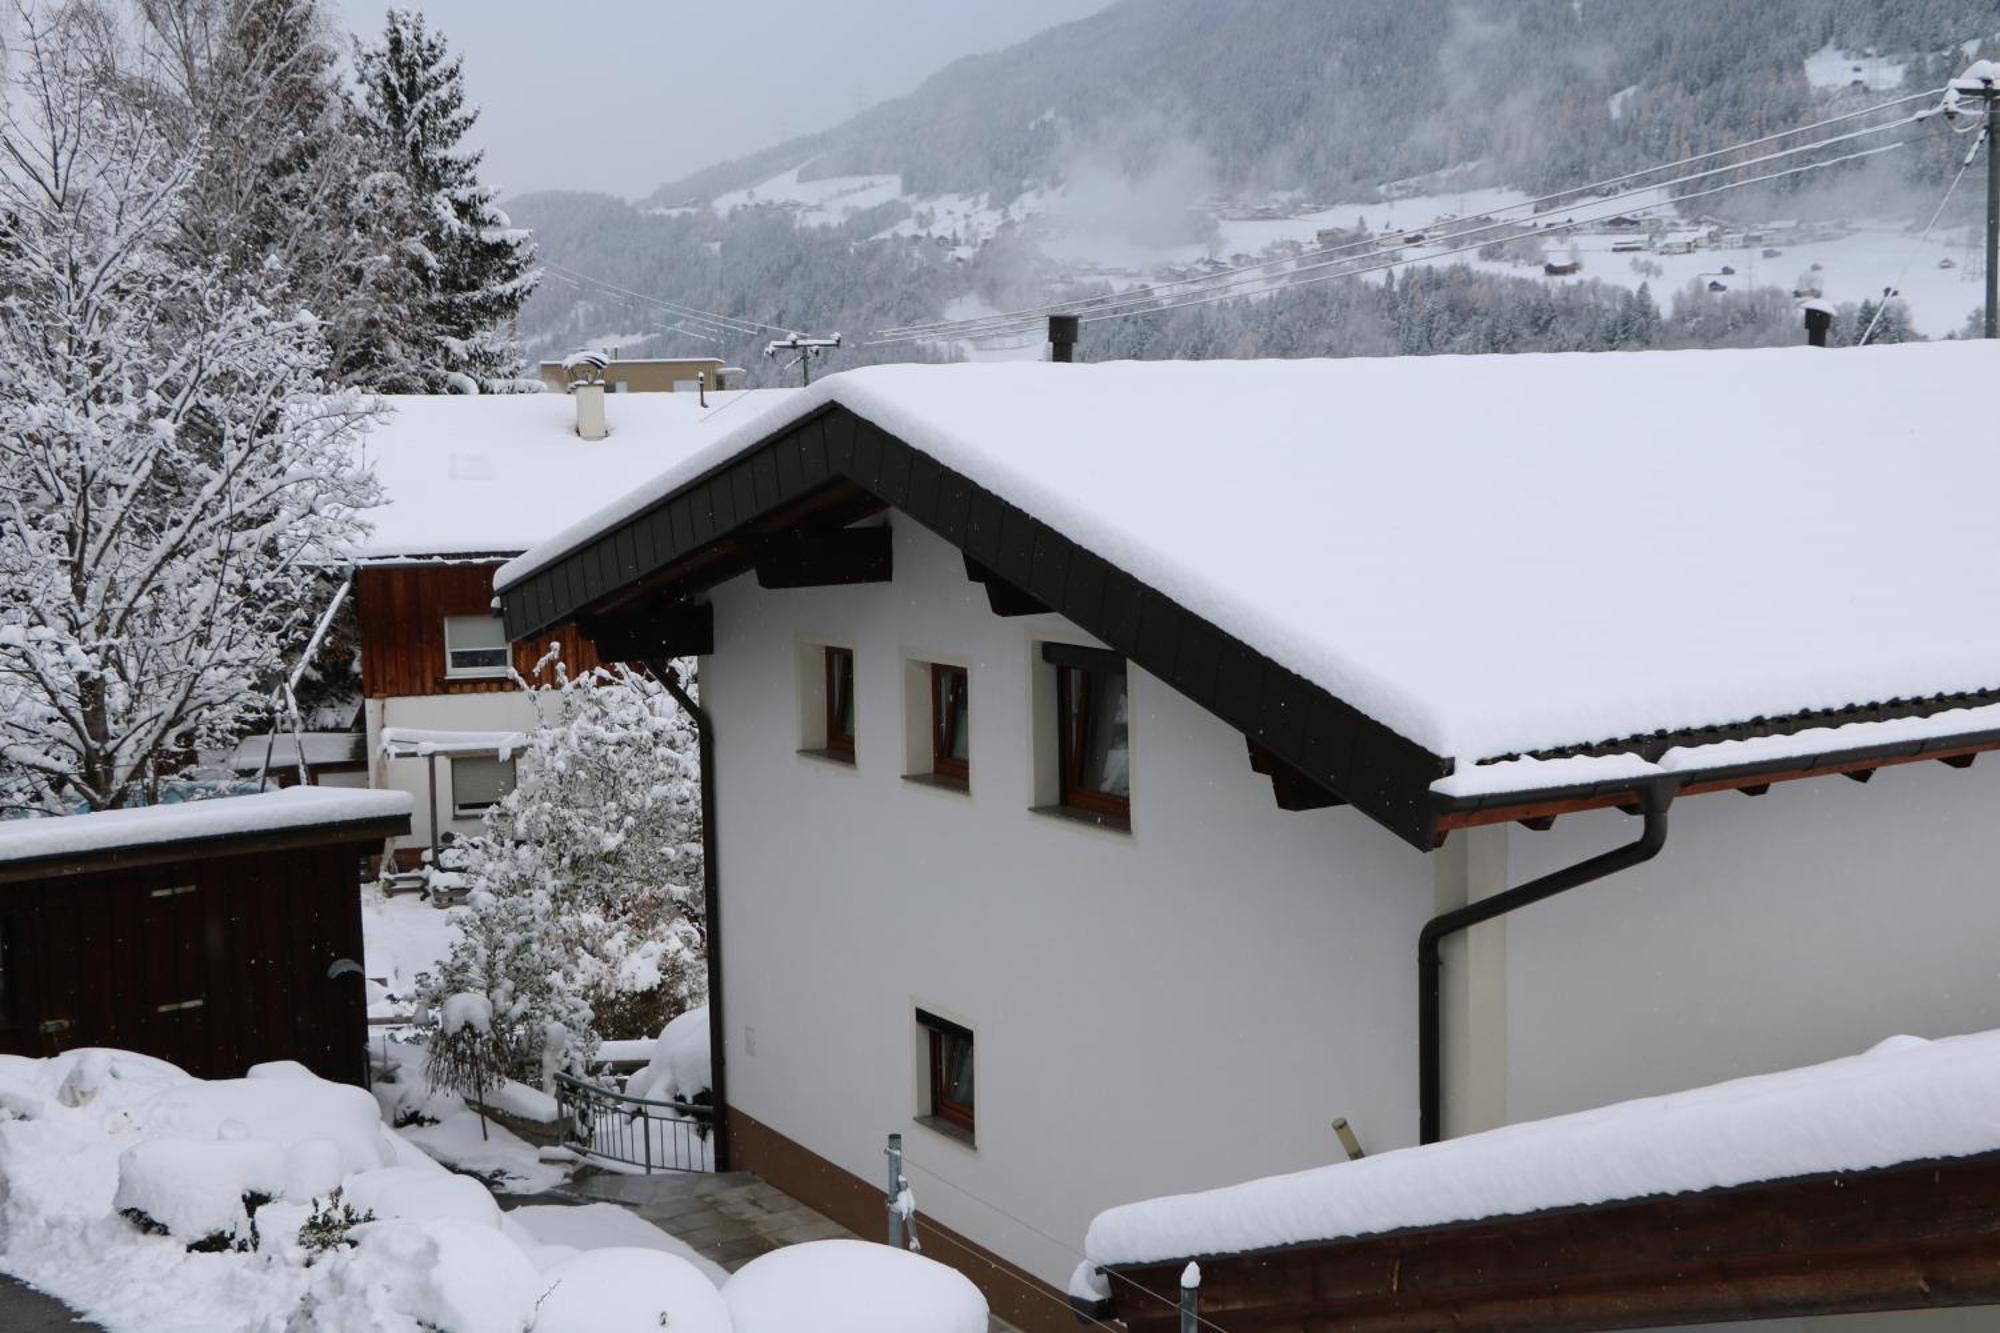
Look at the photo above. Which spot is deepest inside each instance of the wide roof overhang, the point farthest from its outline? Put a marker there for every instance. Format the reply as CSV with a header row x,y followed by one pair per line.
x,y
632,583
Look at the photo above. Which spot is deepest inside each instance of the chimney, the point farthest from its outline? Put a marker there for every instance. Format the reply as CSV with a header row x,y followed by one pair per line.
x,y
589,410
1819,322
1062,337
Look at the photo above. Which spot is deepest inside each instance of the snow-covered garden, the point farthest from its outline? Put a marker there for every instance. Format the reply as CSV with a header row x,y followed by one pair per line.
x,y
154,1202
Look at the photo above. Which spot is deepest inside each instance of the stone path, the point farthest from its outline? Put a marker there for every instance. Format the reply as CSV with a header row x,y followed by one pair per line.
x,y
730,1218
25,1310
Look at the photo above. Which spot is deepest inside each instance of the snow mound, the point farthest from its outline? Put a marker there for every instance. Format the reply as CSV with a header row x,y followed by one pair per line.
x,y
423,1191
679,1068
852,1286
199,1191
631,1291
284,1110
408,1277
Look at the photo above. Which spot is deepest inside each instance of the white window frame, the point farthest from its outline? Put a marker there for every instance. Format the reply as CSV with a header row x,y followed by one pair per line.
x,y
472,810
453,671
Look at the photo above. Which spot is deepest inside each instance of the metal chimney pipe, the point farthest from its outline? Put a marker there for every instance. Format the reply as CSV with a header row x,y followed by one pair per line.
x,y
1062,337
589,410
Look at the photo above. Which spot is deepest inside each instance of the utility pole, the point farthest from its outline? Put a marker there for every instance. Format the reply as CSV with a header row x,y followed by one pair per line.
x,y
807,348
1979,83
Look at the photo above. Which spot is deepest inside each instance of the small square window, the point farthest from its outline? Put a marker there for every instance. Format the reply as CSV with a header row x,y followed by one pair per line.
x,y
1093,745
475,647
840,702
949,1100
951,721
478,782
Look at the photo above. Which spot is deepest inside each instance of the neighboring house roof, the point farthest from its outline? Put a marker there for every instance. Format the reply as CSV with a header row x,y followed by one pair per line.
x,y
420,743
1859,1184
493,474
321,748
1481,557
148,834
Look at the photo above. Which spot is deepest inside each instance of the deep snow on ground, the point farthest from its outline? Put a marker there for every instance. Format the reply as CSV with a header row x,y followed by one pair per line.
x,y
401,936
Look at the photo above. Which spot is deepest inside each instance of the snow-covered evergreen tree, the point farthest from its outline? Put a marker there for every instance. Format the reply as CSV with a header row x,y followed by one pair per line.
x,y
170,470
471,268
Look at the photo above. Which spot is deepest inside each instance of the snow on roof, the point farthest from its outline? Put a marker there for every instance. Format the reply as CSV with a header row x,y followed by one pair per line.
x,y
1502,554
282,751
1906,1100
267,812
488,474
416,742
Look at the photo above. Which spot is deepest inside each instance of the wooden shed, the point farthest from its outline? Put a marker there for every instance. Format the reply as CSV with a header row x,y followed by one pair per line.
x,y
214,934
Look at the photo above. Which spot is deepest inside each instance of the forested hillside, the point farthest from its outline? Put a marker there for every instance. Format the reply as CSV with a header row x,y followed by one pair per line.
x,y
1132,132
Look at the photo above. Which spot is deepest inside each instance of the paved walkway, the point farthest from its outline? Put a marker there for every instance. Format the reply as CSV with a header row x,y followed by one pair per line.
x,y
730,1218
25,1310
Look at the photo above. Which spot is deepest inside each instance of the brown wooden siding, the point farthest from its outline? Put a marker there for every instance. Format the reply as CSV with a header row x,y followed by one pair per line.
x,y
402,610
91,958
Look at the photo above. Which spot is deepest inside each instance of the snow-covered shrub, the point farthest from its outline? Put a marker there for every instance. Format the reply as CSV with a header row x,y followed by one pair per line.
x,y
852,1286
679,1068
330,1225
205,1194
586,910
630,1291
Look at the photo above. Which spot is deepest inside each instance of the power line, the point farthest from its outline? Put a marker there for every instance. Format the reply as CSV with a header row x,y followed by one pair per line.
x,y
1209,298
1084,305
706,331
1299,276
1896,287
730,322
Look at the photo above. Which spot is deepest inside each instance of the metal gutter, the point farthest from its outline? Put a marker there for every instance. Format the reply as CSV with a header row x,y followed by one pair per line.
x,y
1654,800
711,904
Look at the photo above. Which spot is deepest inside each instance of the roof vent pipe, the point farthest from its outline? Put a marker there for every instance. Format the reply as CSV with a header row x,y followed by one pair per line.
x,y
589,410
1062,337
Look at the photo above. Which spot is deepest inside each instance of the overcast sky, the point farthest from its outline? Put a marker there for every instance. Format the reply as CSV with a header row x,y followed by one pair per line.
x,y
625,95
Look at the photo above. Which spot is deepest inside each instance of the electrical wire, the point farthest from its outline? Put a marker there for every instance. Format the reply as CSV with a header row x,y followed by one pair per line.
x,y
730,323
1203,293
1083,304
1896,287
936,1233
706,333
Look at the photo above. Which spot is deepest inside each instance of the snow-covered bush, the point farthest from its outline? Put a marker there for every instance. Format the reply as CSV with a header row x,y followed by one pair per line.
x,y
679,1068
852,1286
330,1225
586,910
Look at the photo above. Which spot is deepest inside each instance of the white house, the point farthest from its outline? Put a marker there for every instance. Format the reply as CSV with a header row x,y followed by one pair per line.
x,y
468,482
1092,744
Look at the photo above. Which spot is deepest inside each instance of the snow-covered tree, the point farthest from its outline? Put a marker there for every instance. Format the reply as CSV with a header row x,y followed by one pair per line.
x,y
587,907
290,196
170,470
471,268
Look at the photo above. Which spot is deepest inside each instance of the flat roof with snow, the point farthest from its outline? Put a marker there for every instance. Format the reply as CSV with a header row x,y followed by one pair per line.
x,y
54,844
1544,559
493,474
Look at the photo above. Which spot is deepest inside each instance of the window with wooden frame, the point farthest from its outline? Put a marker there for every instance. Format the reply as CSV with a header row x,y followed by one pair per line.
x,y
1093,744
840,702
948,1061
475,648
951,720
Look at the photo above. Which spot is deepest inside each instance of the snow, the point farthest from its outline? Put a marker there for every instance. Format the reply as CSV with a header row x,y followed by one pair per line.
x,y
493,474
417,743
1831,67
1906,1100
852,1286
89,1133
816,203
631,1291
594,1226
679,1068
402,936
1573,467
465,1010
33,839
446,1129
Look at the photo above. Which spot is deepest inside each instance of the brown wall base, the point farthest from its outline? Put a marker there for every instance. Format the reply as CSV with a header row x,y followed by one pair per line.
x,y
1015,1295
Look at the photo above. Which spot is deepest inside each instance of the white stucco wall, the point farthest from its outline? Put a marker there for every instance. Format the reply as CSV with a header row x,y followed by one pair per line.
x,y
509,711
1123,1046
1191,1004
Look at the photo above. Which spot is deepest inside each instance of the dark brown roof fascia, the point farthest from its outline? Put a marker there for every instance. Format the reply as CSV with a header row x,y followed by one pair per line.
x,y
61,865
1328,740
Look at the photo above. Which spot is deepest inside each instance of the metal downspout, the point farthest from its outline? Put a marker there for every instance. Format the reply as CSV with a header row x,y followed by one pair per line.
x,y
711,904
1653,801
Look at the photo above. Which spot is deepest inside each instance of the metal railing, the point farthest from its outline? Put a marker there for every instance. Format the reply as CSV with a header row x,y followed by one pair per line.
x,y
651,1135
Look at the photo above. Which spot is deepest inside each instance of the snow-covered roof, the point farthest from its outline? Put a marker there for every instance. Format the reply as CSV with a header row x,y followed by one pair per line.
x,y
295,808
418,742
1500,555
282,751
496,473
1907,1100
